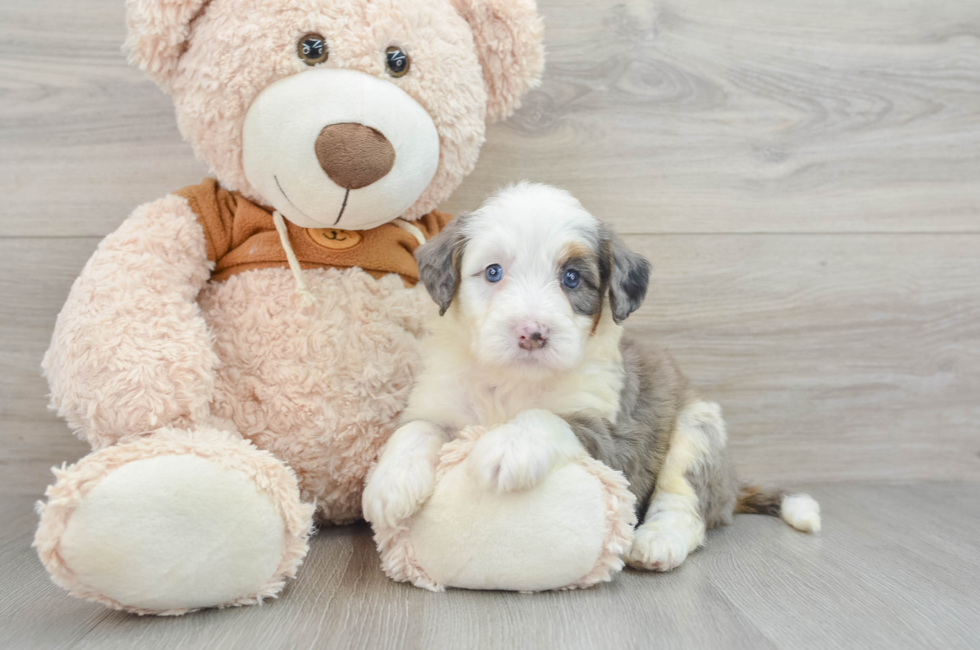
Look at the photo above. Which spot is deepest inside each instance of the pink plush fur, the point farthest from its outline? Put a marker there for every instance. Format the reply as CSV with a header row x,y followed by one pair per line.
x,y
508,36
220,447
398,558
131,351
158,33
471,62
321,387
620,522
146,341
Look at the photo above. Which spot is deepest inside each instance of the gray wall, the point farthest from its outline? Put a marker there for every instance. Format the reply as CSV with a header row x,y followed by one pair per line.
x,y
804,176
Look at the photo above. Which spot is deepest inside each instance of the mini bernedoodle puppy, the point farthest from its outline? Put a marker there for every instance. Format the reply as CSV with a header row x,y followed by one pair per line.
x,y
532,290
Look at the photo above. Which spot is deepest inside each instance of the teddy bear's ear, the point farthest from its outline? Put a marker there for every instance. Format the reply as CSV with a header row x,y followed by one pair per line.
x,y
158,33
509,38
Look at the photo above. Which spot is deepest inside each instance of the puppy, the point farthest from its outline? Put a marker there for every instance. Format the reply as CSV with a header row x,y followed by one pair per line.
x,y
531,292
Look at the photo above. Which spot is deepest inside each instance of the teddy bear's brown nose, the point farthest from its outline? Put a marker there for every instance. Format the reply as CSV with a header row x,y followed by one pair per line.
x,y
354,155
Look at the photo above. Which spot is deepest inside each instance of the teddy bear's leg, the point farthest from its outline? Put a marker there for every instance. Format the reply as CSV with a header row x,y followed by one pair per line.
x,y
178,520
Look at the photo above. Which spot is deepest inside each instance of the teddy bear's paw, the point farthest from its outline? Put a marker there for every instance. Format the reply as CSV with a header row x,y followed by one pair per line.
x,y
177,532
397,488
508,458
660,546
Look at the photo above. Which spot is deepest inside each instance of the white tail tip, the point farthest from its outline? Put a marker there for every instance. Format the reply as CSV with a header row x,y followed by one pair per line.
x,y
801,512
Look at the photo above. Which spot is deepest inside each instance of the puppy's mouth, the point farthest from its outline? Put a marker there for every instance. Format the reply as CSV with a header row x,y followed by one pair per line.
x,y
537,357
535,342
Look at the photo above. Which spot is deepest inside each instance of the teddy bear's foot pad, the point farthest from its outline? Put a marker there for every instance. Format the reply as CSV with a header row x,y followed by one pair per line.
x,y
172,533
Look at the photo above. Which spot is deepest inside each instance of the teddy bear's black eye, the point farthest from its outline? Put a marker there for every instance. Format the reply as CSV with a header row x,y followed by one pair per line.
x,y
396,61
312,48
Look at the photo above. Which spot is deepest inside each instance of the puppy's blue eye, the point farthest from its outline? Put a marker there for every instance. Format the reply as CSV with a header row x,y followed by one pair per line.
x,y
494,273
570,279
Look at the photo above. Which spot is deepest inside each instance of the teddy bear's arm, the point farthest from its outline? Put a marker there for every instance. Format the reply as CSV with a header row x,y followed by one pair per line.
x,y
130,350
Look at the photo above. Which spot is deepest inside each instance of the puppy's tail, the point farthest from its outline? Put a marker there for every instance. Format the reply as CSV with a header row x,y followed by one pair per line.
x,y
799,510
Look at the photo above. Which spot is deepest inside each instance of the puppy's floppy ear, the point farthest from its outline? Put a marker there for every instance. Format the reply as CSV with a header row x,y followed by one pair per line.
x,y
509,39
628,275
439,261
158,33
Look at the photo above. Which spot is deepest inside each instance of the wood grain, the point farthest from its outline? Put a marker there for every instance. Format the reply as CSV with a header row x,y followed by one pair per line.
x,y
896,566
835,357
804,177
670,116
695,116
84,138
35,276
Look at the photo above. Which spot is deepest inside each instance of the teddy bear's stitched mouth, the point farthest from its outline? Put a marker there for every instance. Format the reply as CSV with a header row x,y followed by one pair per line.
x,y
343,206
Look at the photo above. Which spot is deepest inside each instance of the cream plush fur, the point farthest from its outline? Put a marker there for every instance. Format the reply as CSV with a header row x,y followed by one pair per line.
x,y
226,415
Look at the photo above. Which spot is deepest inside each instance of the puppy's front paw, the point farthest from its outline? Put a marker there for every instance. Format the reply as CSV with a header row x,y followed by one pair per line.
x,y
659,547
398,488
508,459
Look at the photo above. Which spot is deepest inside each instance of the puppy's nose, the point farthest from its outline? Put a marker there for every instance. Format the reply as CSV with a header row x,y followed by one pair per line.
x,y
354,155
532,336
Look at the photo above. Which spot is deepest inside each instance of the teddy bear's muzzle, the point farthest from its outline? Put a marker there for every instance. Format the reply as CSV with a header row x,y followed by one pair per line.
x,y
335,147
354,155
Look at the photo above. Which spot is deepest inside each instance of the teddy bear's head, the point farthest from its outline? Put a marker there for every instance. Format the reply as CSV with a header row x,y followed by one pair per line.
x,y
339,112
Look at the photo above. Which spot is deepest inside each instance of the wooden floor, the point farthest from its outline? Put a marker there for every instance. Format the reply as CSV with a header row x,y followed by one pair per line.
x,y
895,567
805,178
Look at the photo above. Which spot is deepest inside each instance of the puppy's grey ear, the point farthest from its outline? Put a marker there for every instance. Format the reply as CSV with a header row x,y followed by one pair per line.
x,y
439,260
629,276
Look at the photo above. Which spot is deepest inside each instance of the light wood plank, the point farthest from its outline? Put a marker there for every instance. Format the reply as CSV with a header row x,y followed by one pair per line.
x,y
35,277
699,116
34,613
872,578
84,138
835,357
693,116
869,560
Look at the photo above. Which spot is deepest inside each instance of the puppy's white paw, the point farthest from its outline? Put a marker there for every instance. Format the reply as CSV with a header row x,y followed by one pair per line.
x,y
517,455
509,458
658,546
398,488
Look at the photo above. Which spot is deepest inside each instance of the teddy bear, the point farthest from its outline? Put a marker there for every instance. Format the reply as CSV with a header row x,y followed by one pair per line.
x,y
237,352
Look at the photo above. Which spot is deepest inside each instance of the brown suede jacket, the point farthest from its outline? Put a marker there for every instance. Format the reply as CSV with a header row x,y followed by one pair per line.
x,y
241,236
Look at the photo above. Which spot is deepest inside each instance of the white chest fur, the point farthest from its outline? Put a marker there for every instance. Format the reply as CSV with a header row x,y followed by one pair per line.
x,y
455,391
